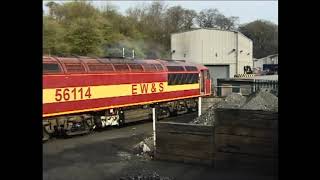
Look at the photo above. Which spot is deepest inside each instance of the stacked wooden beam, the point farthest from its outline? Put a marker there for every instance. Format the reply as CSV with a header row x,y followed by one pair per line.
x,y
246,139
182,142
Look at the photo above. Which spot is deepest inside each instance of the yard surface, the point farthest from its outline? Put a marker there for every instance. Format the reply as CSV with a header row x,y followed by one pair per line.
x,y
109,155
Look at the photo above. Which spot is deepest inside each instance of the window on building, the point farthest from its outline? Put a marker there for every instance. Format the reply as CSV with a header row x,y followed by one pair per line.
x,y
236,88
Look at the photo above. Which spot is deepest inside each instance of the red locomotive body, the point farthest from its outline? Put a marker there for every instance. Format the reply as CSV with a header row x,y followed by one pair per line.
x,y
90,85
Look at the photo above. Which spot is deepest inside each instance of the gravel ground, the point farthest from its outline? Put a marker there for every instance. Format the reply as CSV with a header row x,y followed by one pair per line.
x,y
110,155
233,101
145,175
206,118
261,100
145,148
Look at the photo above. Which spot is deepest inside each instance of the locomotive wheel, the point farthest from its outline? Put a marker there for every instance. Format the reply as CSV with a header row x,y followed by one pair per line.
x,y
89,123
163,113
85,129
121,122
173,113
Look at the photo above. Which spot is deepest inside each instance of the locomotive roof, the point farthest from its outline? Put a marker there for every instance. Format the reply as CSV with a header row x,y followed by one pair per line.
x,y
84,64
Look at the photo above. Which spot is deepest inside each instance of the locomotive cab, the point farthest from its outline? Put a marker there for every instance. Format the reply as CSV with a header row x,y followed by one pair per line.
x,y
205,81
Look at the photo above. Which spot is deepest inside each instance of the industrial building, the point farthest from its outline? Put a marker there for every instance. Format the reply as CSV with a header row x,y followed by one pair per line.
x,y
269,63
225,53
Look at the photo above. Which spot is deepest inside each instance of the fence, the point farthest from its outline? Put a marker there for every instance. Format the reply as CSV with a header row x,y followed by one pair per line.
x,y
244,86
269,84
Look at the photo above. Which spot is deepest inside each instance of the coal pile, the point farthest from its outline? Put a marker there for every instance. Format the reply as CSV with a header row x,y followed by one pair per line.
x,y
206,118
270,90
145,176
260,100
234,100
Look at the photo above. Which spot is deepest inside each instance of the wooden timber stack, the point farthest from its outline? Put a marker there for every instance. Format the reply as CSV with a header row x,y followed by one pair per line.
x,y
246,139
182,142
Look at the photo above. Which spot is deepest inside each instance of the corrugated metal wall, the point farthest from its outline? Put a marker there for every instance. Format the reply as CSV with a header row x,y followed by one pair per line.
x,y
245,49
218,47
213,47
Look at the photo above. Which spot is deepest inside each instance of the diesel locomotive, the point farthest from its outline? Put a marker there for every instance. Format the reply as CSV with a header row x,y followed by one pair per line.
x,y
84,93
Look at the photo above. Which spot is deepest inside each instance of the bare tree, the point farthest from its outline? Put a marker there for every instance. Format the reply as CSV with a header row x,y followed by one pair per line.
x,y
212,18
264,35
206,18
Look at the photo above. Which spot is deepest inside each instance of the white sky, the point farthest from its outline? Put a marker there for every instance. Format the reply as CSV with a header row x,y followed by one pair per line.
x,y
247,11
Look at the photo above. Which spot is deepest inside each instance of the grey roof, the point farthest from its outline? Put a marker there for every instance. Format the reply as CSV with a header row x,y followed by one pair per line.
x,y
195,29
269,56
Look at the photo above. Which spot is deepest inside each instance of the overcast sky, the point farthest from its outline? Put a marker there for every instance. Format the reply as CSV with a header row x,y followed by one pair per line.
x,y
247,11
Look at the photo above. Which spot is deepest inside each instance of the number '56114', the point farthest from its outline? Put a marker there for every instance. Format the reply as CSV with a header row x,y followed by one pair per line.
x,y
72,94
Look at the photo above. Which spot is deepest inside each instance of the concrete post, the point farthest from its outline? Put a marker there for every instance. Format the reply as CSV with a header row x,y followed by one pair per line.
x,y
154,126
199,106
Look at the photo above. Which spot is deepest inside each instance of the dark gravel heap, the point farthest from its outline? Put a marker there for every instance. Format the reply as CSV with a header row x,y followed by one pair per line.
x,y
206,118
146,176
260,100
232,101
